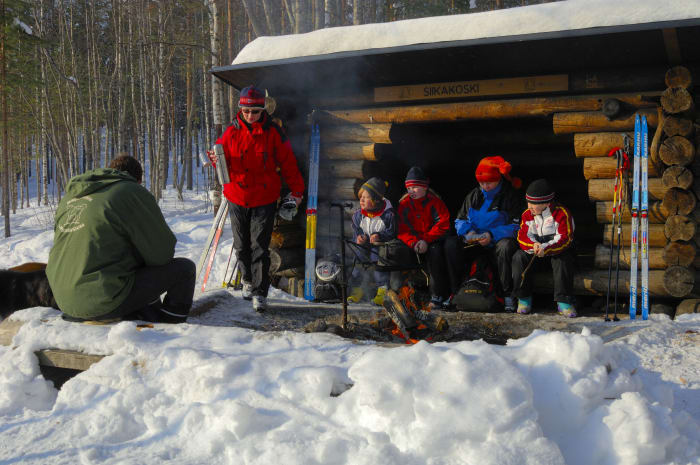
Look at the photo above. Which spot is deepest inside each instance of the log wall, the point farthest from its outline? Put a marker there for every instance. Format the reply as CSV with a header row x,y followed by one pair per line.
x,y
673,210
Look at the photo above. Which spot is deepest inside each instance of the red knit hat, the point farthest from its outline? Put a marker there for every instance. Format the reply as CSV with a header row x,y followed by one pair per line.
x,y
490,169
252,97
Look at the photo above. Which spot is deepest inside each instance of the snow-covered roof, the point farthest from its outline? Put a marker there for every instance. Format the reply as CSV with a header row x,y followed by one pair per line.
x,y
565,18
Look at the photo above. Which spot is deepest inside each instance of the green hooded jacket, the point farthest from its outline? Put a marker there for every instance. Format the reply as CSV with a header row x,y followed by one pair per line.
x,y
107,226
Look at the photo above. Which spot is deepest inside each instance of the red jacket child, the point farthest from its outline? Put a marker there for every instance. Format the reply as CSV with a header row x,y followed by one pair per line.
x,y
425,219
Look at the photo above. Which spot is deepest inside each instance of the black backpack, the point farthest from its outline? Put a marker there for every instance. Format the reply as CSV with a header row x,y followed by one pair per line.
x,y
478,292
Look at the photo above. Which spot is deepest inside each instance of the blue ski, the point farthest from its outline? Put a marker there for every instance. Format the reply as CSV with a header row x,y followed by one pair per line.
x,y
644,210
311,207
635,222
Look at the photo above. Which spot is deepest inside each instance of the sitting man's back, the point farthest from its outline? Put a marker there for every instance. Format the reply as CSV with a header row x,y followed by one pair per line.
x,y
113,251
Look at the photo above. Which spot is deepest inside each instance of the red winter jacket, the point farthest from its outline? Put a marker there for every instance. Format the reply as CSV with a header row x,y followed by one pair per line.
x,y
554,229
253,154
427,219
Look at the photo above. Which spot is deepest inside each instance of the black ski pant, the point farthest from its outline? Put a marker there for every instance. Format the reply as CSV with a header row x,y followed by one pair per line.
x,y
176,279
563,267
500,256
252,232
446,266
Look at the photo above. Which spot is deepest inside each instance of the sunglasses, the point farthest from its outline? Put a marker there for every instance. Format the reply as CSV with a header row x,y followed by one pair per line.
x,y
247,111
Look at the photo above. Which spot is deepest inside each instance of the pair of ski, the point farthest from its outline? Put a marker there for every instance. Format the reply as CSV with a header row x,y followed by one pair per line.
x,y
640,208
209,252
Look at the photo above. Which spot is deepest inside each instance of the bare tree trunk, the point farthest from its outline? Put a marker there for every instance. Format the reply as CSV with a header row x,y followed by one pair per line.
x,y
217,107
5,151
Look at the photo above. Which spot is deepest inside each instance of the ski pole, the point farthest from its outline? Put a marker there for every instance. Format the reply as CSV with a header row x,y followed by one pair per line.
x,y
616,153
343,283
228,263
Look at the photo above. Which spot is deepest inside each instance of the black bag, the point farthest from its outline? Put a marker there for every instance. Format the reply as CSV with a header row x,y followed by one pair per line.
x,y
395,255
328,292
477,294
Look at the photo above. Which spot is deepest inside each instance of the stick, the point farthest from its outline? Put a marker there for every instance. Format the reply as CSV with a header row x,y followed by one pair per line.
x,y
522,275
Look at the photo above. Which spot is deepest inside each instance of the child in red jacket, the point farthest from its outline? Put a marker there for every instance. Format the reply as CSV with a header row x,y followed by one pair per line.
x,y
424,223
547,231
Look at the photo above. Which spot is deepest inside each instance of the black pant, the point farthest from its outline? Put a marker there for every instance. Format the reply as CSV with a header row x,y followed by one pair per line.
x,y
563,266
252,231
500,256
445,265
176,279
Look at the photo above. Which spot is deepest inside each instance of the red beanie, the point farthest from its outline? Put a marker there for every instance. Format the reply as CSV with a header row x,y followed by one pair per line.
x,y
252,97
490,169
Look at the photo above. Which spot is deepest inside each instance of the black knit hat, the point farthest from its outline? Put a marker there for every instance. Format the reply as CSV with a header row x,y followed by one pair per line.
x,y
375,187
539,192
416,177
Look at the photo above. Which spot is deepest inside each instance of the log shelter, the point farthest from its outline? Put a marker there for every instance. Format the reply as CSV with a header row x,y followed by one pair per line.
x,y
551,103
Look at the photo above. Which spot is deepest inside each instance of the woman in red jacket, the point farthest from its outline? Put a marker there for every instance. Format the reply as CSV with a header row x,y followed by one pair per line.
x,y
255,147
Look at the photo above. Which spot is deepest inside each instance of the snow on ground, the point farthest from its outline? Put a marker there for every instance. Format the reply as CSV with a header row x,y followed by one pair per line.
x,y
568,17
200,393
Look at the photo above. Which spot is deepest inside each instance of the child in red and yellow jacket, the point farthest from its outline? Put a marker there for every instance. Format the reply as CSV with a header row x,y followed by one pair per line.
x,y
546,231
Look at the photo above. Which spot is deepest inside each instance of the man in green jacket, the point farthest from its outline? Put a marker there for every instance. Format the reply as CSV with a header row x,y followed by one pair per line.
x,y
112,256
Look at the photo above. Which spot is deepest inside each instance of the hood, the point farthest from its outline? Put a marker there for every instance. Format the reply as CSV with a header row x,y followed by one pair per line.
x,y
92,181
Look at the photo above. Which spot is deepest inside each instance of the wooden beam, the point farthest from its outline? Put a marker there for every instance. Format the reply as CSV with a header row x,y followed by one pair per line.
x,y
378,133
599,144
656,236
490,109
673,48
595,121
52,357
602,189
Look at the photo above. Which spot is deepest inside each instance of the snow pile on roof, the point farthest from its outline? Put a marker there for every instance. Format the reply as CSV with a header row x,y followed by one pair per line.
x,y
570,15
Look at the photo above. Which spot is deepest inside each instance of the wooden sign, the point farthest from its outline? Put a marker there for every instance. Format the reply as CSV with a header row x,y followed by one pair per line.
x,y
466,89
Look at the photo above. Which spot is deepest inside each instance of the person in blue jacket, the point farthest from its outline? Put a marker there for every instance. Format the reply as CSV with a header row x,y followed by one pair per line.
x,y
490,217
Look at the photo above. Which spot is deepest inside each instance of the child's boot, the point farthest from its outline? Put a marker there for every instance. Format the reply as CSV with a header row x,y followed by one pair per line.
x,y
524,305
566,310
379,298
355,295
509,304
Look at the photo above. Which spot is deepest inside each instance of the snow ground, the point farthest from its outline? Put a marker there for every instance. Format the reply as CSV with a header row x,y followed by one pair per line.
x,y
204,393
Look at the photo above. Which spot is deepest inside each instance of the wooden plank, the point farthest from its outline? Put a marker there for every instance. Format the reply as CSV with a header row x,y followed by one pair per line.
x,y
469,89
67,359
49,357
673,48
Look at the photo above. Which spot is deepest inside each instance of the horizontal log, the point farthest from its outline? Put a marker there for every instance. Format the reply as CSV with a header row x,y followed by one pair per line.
x,y
338,188
595,282
676,100
378,133
688,306
595,121
350,151
678,202
678,281
679,228
679,254
601,258
605,167
656,237
603,213
678,76
677,176
676,126
358,169
677,150
603,189
490,109
599,144
287,237
284,259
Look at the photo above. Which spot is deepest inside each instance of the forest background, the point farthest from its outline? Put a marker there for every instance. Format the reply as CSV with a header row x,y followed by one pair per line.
x,y
83,81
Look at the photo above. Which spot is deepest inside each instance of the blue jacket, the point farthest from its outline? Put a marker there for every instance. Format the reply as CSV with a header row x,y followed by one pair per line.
x,y
497,212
